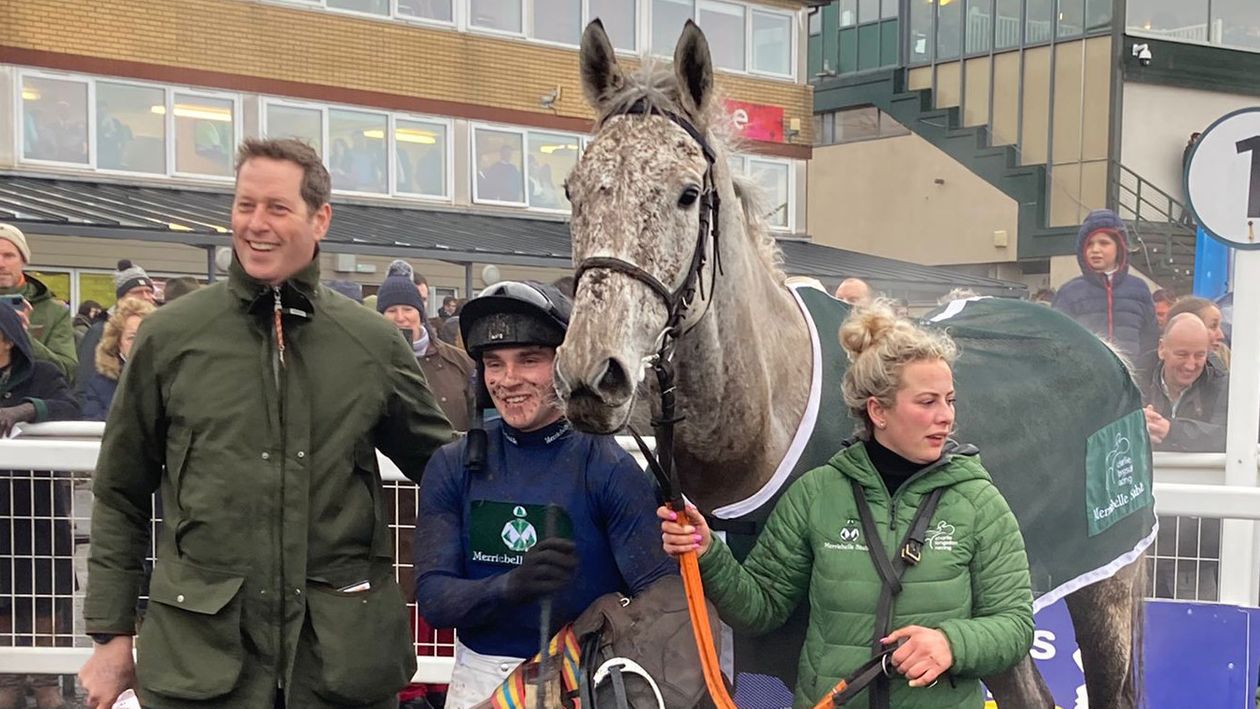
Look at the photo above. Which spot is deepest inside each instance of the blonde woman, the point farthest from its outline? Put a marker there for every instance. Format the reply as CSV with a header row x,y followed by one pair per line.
x,y
111,356
964,608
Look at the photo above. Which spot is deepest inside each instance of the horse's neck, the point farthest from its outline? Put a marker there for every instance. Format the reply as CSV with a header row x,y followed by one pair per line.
x,y
743,379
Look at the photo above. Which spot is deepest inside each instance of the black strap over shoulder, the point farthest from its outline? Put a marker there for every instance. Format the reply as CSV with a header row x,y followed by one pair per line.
x,y
891,570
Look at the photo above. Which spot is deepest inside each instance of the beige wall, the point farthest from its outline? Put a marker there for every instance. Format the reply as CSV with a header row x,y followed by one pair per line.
x,y
1158,120
881,197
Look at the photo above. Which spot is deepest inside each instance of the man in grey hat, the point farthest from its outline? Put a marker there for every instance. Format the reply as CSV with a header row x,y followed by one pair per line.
x,y
47,320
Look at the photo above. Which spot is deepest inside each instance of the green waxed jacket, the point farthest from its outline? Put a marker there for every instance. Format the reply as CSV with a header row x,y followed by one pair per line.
x,y
52,327
271,496
972,582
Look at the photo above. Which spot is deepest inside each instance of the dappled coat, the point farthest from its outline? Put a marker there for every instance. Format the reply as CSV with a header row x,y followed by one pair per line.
x,y
274,570
972,582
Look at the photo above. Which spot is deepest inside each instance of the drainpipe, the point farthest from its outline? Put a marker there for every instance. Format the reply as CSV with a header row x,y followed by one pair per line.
x,y
210,265
468,280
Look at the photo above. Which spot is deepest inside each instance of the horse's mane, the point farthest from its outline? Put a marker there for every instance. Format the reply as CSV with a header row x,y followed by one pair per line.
x,y
656,87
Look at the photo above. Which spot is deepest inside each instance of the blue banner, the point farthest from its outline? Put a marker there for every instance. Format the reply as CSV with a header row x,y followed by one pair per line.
x,y
1211,266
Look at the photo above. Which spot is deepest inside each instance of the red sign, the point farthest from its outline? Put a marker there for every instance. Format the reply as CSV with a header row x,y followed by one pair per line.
x,y
756,121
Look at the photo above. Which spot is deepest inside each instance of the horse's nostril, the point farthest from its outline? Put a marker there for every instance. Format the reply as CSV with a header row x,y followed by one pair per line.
x,y
614,381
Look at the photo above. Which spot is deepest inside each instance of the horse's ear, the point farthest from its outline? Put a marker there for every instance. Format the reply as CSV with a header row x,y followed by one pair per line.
x,y
601,77
693,66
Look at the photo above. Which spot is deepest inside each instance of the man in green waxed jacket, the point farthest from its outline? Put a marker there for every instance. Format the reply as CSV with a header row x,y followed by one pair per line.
x,y
48,320
972,582
254,407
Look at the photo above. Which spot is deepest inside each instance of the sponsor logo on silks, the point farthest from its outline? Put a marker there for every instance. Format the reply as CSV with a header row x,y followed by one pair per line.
x,y
850,538
941,537
518,534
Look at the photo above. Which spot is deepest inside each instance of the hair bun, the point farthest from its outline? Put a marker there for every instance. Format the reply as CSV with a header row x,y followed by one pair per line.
x,y
866,328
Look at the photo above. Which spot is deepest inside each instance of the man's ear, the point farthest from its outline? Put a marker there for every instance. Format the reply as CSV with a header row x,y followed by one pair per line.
x,y
323,220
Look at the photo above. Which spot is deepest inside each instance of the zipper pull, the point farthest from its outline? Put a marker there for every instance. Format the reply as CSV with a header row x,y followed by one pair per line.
x,y
279,325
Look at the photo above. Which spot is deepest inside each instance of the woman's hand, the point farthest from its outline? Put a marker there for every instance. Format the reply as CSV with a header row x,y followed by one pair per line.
x,y
924,657
682,536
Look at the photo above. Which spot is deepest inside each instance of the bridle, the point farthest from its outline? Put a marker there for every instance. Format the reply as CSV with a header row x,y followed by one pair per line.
x,y
678,302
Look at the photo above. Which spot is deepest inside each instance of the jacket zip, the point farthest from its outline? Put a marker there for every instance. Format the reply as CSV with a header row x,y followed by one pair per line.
x,y
1111,305
277,367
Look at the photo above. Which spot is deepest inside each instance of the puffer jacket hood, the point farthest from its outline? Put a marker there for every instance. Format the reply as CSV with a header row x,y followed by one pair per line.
x,y
13,331
1104,220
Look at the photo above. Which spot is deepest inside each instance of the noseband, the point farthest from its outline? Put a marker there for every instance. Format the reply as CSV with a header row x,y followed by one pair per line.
x,y
678,303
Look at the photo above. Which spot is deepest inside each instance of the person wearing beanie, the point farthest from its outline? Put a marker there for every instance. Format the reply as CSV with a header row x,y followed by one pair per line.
x,y
130,281
1106,299
48,322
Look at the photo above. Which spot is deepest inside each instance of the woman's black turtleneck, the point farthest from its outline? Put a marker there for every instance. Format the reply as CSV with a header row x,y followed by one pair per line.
x,y
892,468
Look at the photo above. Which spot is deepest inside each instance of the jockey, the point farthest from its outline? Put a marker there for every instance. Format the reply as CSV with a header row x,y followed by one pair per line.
x,y
539,512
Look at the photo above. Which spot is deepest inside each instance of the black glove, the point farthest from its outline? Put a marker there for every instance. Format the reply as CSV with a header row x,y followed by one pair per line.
x,y
547,568
13,415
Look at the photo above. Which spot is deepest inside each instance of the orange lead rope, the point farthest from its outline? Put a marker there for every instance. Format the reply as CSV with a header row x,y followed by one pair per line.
x,y
690,567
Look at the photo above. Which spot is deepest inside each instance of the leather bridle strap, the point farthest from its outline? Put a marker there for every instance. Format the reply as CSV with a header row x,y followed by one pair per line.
x,y
629,269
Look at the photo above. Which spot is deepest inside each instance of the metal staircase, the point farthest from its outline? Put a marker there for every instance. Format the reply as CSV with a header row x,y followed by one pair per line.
x,y
1161,232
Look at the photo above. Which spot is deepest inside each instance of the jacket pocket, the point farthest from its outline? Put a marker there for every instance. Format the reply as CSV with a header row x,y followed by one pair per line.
x,y
363,642
190,643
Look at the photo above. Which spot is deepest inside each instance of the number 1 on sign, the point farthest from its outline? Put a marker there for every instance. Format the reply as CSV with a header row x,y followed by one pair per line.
x,y
1252,145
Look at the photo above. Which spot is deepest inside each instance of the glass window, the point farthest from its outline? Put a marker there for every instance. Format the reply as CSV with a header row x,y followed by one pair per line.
x,y
848,13
98,287
948,30
1007,26
205,135
771,43
772,178
1040,22
1237,22
668,18
1174,19
439,10
1097,15
619,18
54,120
375,7
420,157
502,15
891,8
736,164
979,25
498,158
1071,18
130,128
814,22
551,158
857,124
868,10
558,20
723,25
305,124
357,154
921,30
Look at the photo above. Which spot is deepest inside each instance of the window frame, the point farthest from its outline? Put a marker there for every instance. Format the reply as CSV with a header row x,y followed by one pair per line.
x,y
19,121
792,48
527,7
389,149
448,173
794,28
238,130
168,126
266,101
747,159
474,199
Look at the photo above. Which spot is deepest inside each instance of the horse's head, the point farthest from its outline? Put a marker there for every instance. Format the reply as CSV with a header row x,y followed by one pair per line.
x,y
639,198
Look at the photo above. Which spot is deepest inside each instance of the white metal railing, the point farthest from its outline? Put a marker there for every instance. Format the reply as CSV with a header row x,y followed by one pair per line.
x,y
1187,484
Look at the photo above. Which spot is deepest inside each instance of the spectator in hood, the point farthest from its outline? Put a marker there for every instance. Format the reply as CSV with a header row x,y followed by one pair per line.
x,y
89,312
45,318
36,544
1106,299
130,281
111,356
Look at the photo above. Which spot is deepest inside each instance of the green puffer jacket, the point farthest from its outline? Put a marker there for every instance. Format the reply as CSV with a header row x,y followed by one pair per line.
x,y
972,582
272,500
52,327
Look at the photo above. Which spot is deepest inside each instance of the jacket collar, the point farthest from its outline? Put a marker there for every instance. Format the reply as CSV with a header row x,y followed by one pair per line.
x,y
855,463
297,295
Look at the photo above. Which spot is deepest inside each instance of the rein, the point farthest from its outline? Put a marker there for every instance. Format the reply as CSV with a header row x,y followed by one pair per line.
x,y
678,303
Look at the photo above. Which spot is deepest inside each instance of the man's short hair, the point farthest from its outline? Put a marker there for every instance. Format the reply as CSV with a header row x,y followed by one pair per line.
x,y
316,184
1164,295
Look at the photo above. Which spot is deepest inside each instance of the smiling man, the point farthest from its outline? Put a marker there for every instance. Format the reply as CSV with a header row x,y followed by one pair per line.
x,y
546,512
1186,394
255,408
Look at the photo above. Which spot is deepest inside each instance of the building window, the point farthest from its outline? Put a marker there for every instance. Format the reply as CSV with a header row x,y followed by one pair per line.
x,y
1230,23
1040,23
497,156
848,13
205,134
1098,15
498,15
668,18
1007,24
371,7
856,124
979,26
420,150
891,8
1071,18
552,157
357,155
948,30
304,124
921,43
55,120
772,177
436,10
557,20
620,18
723,25
772,43
130,128
1237,22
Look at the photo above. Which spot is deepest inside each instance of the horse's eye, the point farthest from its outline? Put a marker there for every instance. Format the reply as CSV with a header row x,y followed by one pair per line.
x,y
688,197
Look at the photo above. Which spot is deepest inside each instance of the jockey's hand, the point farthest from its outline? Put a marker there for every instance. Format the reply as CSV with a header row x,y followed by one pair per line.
x,y
1156,425
109,672
924,657
680,537
547,568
